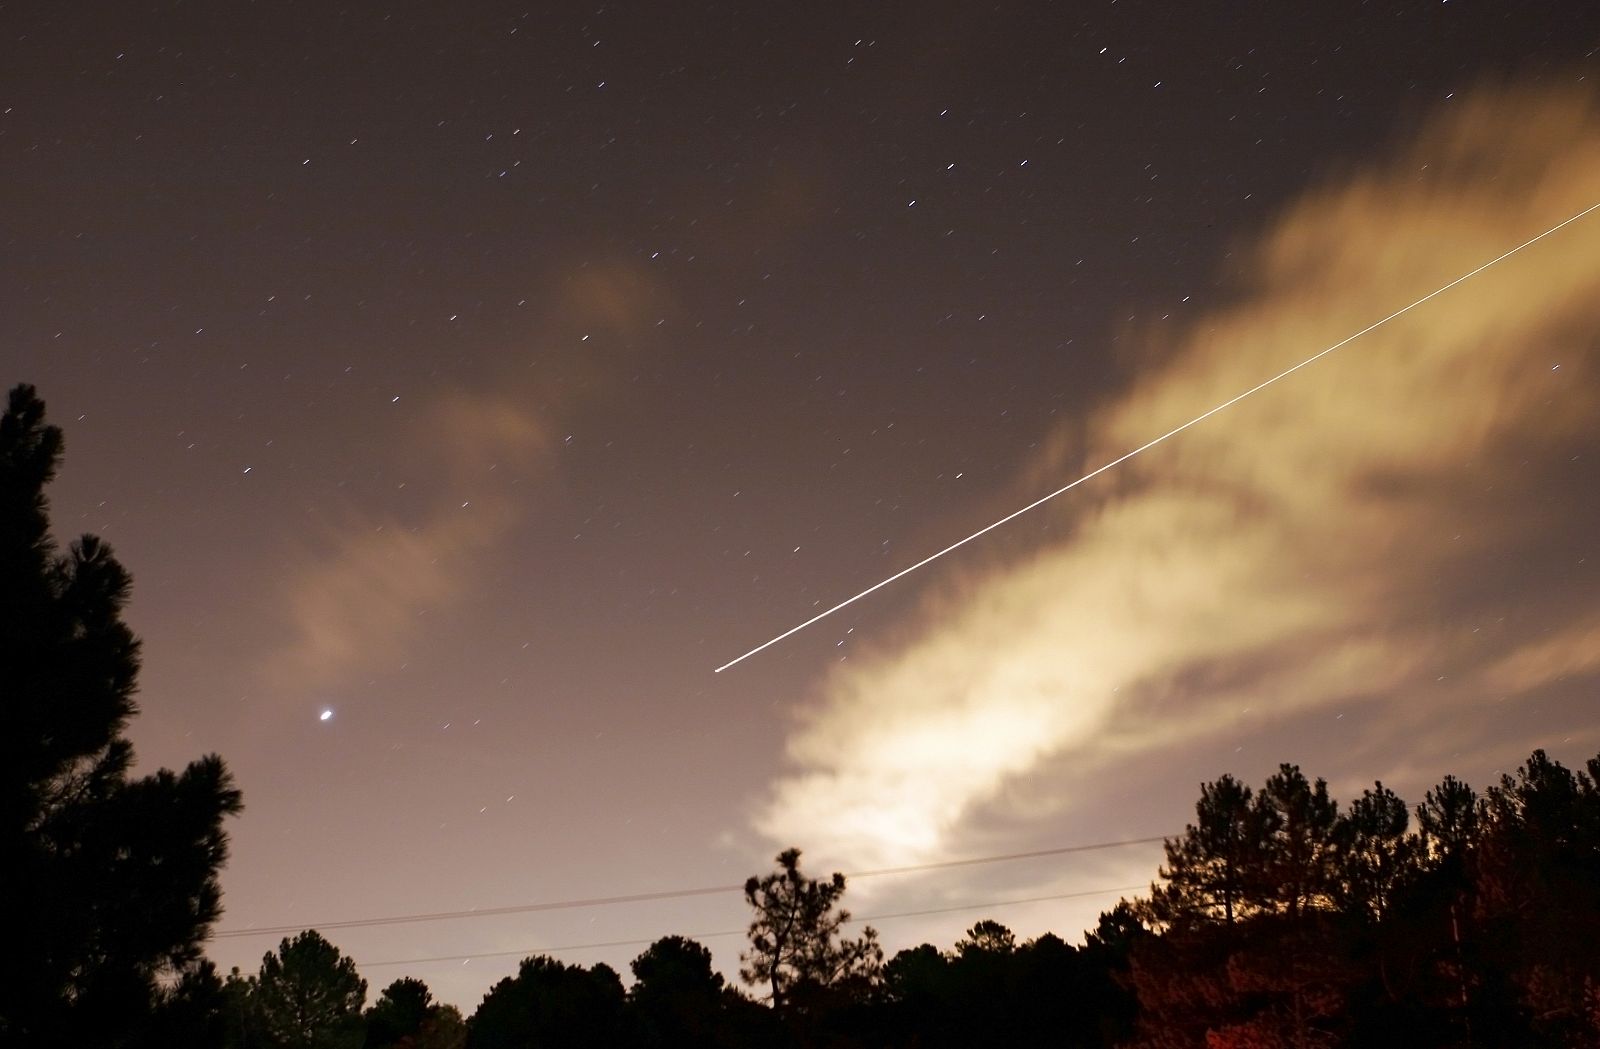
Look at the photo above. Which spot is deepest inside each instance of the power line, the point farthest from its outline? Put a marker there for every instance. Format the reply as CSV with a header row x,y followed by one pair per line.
x,y
740,932
485,912
665,894
1151,444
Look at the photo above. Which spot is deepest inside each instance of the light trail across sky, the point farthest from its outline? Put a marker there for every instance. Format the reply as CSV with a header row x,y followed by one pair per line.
x,y
1152,443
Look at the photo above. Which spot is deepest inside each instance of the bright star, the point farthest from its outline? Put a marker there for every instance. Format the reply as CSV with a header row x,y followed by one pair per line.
x,y
327,715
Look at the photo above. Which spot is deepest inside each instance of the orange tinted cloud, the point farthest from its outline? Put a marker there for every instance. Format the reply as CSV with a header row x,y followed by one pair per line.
x,y
355,600
1322,539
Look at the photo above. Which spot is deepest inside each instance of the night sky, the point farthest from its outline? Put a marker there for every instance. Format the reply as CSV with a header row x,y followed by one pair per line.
x,y
482,377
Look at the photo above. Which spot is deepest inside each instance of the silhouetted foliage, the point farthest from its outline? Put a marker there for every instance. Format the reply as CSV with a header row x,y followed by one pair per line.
x,y
1214,871
1477,928
1374,853
399,1013
190,1013
1299,820
550,1004
109,881
677,998
1106,977
1282,922
443,1029
307,996
988,937
1447,821
795,944
991,990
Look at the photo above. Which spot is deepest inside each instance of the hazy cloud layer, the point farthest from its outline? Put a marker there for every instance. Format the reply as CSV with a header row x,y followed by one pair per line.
x,y
356,597
1318,542
367,571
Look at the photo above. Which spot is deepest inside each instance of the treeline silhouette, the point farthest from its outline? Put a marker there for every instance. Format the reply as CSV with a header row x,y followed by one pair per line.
x,y
1279,918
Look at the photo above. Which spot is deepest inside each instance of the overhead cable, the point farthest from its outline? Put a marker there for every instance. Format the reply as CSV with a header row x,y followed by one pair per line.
x,y
664,894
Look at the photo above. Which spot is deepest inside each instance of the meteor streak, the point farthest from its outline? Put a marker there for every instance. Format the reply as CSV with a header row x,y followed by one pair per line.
x,y
1152,443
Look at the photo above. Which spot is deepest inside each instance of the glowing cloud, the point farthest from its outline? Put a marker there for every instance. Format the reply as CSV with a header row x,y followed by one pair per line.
x,y
1313,544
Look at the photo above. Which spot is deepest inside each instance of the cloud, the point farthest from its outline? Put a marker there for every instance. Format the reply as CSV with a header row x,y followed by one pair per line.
x,y
1349,532
1571,653
355,598
369,571
615,297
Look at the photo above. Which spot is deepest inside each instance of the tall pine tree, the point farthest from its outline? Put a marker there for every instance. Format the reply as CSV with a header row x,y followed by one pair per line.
x,y
109,880
795,941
